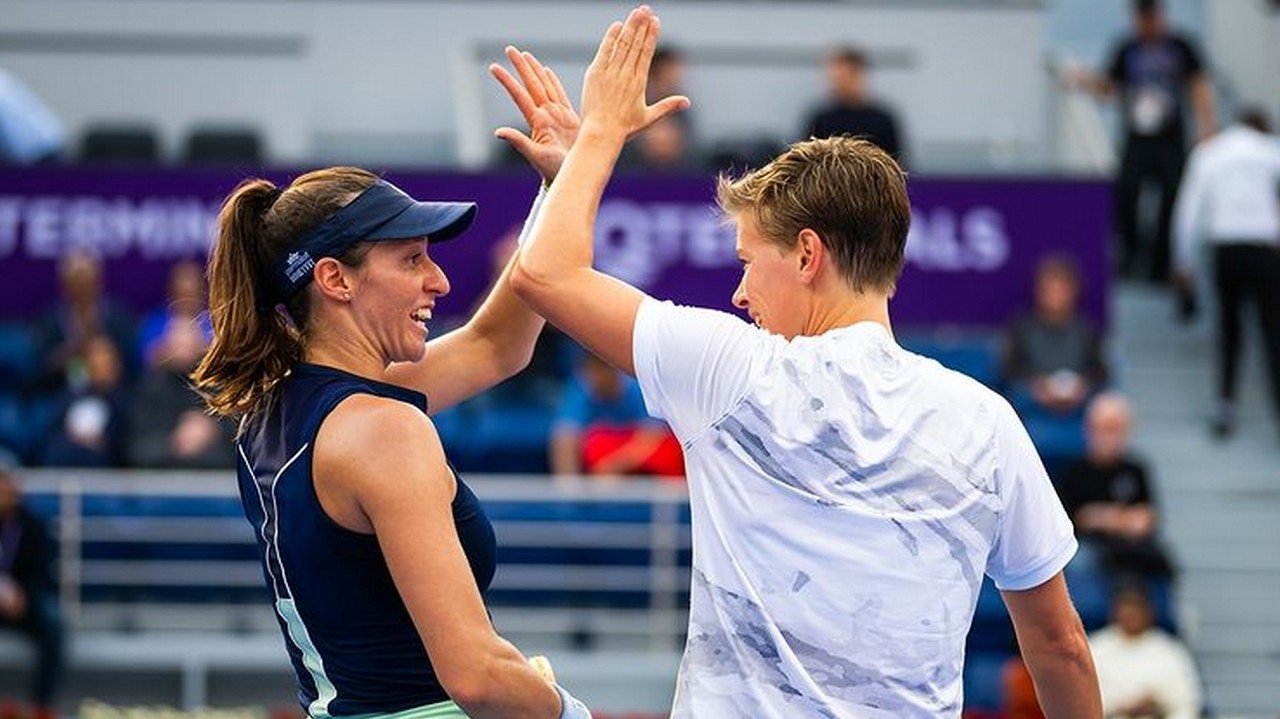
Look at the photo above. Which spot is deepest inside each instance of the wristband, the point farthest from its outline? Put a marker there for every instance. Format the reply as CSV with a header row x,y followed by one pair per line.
x,y
527,229
570,707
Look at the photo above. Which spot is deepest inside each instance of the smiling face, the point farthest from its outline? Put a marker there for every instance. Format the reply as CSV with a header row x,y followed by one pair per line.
x,y
394,297
770,287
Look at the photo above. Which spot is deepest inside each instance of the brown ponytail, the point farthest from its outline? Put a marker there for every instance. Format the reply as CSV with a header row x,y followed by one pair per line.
x,y
253,349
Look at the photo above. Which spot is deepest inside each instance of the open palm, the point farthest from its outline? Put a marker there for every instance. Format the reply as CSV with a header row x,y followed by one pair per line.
x,y
547,109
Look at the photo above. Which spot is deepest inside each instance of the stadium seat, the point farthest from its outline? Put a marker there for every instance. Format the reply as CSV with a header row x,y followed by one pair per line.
x,y
972,354
491,434
18,356
223,146
992,631
983,679
120,144
13,435
1058,438
1091,593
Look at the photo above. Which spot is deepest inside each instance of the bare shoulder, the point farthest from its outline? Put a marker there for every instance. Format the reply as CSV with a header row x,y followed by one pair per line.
x,y
365,422
371,446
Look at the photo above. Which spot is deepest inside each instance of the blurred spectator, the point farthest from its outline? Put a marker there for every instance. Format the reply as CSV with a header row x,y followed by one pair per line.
x,y
82,312
169,426
28,595
666,77
850,109
1052,357
93,417
1108,496
507,428
1229,200
666,146
1155,71
29,131
663,148
602,428
186,300
1142,670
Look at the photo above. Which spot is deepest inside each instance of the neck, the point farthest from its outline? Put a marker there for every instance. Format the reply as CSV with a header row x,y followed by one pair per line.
x,y
1056,317
343,349
851,96
849,309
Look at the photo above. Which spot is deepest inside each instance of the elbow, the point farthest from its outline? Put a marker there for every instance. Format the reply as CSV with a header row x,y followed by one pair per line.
x,y
535,286
474,690
475,700
525,283
1075,653
1068,647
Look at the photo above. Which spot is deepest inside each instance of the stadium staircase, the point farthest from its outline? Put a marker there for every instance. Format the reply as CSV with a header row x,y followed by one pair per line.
x,y
1220,501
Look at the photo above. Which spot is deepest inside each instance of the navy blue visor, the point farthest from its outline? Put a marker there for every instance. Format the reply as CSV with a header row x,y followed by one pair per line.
x,y
382,212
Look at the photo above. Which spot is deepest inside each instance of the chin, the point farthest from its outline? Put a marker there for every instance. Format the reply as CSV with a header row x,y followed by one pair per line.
x,y
409,352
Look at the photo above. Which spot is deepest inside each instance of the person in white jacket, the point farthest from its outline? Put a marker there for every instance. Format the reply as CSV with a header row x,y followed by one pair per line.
x,y
1230,199
1143,671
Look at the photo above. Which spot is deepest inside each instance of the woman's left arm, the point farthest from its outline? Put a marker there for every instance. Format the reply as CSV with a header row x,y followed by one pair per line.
x,y
498,341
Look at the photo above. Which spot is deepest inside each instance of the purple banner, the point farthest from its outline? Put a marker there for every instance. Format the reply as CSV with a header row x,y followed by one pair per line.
x,y
970,258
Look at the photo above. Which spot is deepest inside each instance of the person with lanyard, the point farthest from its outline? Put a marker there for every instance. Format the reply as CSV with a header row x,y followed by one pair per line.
x,y
1156,73
28,595
847,496
376,553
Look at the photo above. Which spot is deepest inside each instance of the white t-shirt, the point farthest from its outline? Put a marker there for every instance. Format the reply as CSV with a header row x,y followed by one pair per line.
x,y
1152,665
847,498
1228,194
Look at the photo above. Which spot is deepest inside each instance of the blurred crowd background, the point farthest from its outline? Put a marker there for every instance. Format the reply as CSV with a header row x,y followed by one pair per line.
x,y
1053,256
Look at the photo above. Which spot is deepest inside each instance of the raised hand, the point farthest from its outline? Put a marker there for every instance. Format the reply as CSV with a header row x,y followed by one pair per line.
x,y
613,93
541,99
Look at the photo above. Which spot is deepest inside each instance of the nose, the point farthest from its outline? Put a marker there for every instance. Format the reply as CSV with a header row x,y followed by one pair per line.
x,y
436,280
740,295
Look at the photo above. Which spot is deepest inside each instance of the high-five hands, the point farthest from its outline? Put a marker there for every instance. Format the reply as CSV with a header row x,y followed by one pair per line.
x,y
613,94
613,97
547,109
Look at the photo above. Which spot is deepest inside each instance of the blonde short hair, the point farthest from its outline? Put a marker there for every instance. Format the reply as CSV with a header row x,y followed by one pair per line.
x,y
849,191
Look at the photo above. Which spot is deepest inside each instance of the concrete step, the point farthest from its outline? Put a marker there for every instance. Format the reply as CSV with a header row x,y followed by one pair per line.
x,y
1219,502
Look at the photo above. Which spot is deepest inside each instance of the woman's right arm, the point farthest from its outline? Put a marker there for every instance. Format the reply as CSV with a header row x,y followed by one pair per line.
x,y
383,464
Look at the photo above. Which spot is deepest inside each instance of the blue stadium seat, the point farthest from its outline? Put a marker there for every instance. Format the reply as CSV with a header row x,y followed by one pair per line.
x,y
992,630
1091,593
44,505
970,354
19,359
983,678
1058,438
13,431
24,423
1162,599
511,438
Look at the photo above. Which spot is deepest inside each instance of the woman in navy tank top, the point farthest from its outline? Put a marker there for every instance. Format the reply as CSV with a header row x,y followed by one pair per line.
x,y
376,553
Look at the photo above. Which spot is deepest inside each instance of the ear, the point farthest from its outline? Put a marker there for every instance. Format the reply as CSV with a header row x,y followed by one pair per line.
x,y
331,278
811,255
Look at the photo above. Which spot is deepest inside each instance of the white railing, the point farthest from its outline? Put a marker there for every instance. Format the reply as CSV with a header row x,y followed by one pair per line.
x,y
549,515
1080,134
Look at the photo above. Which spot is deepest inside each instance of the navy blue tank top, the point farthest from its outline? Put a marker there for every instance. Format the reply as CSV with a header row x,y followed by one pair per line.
x,y
352,643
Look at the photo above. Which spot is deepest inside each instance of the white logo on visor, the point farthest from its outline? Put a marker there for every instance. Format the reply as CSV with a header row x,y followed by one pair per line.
x,y
298,265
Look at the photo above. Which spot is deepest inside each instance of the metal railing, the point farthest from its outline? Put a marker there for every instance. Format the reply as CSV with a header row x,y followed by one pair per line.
x,y
576,555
